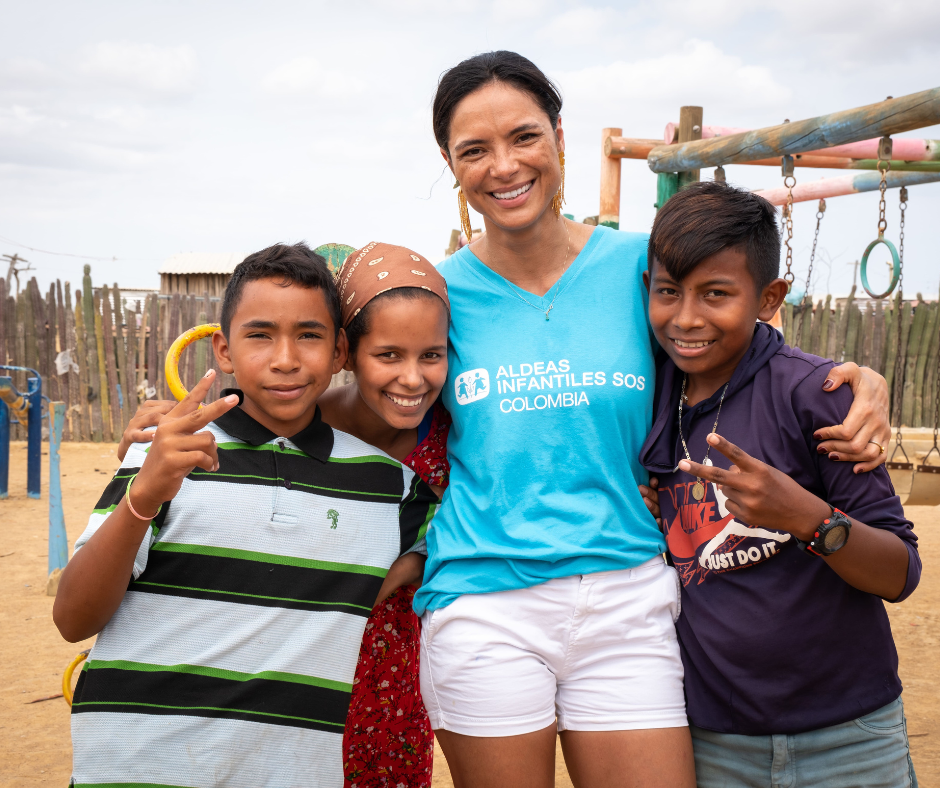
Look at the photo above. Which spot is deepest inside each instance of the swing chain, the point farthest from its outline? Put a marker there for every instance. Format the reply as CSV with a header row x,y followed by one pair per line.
x,y
885,147
820,211
901,237
789,181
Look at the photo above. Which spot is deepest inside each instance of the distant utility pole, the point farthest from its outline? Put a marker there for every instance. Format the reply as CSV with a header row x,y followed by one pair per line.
x,y
14,269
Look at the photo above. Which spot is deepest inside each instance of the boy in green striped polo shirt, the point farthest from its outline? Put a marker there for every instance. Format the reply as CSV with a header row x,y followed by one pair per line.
x,y
230,566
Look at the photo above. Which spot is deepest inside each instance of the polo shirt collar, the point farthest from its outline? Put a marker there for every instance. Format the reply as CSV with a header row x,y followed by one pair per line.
x,y
316,439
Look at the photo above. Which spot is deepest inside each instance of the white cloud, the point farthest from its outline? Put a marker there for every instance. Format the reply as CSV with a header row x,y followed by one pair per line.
x,y
305,75
697,72
145,67
518,10
578,26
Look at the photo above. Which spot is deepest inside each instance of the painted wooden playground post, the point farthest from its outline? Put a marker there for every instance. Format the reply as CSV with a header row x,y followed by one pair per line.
x,y
58,540
888,117
906,149
824,188
609,214
639,148
26,404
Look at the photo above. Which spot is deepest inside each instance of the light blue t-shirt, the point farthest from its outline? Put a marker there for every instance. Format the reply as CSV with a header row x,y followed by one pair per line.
x,y
549,417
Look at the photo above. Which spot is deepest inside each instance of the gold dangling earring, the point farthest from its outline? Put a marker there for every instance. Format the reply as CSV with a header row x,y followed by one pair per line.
x,y
464,213
559,199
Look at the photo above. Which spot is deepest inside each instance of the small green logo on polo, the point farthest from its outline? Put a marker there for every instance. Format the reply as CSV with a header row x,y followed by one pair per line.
x,y
333,517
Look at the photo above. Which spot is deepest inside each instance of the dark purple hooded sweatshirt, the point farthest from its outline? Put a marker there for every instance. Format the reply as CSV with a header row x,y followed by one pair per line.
x,y
773,641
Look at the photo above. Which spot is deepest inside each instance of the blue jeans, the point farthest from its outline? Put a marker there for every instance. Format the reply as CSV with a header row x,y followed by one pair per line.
x,y
870,752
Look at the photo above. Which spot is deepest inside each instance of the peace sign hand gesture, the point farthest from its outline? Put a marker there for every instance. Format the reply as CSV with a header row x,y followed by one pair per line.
x,y
178,447
759,494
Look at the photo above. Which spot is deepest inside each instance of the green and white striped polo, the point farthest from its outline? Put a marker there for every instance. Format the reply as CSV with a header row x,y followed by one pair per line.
x,y
231,659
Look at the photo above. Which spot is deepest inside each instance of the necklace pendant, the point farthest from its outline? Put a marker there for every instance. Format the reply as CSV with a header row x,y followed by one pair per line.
x,y
698,490
546,315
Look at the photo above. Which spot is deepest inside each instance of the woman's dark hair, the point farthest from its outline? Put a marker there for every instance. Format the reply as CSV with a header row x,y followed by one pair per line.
x,y
292,265
361,324
709,216
473,73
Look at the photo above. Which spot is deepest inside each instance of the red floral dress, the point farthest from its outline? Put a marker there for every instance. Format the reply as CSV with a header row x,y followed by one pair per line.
x,y
388,739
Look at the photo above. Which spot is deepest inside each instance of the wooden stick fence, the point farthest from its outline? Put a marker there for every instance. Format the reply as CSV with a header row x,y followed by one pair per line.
x,y
101,357
866,332
98,354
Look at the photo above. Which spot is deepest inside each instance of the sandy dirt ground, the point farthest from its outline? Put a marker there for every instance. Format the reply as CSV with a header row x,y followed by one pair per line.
x,y
36,747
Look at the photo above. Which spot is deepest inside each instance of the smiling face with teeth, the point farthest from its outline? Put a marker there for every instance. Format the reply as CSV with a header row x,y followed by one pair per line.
x,y
706,321
400,364
504,152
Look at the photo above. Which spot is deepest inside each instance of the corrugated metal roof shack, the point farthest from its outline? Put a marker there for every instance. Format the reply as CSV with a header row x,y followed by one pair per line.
x,y
196,273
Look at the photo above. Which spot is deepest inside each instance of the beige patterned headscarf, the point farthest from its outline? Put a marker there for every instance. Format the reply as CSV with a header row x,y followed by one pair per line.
x,y
377,268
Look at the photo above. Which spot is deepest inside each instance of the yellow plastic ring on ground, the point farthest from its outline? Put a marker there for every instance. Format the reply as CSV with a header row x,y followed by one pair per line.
x,y
171,368
67,676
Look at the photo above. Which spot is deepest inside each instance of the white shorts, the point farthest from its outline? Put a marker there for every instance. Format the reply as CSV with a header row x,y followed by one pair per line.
x,y
596,652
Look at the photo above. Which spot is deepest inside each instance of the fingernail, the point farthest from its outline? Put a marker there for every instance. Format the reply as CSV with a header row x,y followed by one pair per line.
x,y
231,399
817,436
828,384
215,467
208,372
833,456
684,465
821,450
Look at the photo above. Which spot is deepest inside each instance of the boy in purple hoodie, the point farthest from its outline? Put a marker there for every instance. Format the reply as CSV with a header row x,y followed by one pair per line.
x,y
790,668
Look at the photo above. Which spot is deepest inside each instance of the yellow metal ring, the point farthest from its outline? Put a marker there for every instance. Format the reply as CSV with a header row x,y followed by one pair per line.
x,y
171,368
67,676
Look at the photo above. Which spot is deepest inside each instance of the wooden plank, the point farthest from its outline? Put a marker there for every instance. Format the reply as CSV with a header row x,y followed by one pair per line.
x,y
86,389
130,365
892,116
172,332
823,346
918,324
900,363
110,365
852,333
52,349
38,326
142,330
930,412
878,339
154,331
609,213
120,353
103,388
867,330
32,349
690,129
920,368
93,378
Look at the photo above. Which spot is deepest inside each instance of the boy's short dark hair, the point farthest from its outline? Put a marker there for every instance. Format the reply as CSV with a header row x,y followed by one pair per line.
x,y
709,216
295,264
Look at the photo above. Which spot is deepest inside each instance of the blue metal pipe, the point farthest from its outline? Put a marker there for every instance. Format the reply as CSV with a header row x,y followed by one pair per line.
x,y
34,437
58,540
4,450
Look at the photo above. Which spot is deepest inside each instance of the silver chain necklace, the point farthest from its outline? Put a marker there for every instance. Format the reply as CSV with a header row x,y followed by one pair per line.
x,y
558,292
698,489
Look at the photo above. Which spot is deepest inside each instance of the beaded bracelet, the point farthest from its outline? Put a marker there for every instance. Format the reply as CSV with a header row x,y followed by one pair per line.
x,y
127,497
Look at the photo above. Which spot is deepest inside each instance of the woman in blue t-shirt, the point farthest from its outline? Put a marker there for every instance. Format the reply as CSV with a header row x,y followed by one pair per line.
x,y
547,604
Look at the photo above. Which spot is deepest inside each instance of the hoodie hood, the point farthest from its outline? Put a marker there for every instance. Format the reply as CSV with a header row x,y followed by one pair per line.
x,y
660,452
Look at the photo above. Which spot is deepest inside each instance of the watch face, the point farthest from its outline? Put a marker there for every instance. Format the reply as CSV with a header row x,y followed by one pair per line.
x,y
835,538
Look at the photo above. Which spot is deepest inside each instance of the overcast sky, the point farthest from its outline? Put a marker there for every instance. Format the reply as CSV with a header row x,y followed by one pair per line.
x,y
136,130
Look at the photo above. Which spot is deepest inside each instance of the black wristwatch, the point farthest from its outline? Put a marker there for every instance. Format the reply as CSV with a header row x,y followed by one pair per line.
x,y
830,535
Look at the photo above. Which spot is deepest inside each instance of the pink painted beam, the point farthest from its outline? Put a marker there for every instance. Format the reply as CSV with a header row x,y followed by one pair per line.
x,y
825,188
904,148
